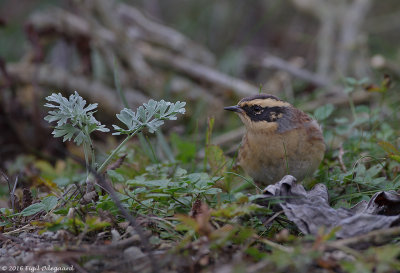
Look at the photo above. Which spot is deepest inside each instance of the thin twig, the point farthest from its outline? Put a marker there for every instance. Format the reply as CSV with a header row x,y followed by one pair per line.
x,y
12,194
5,237
141,203
340,158
7,180
272,218
286,249
107,186
23,228
76,266
183,204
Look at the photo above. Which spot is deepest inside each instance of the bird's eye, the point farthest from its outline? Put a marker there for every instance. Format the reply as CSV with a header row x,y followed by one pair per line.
x,y
257,109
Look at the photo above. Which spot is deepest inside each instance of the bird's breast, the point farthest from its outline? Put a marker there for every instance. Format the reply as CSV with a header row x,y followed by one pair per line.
x,y
268,156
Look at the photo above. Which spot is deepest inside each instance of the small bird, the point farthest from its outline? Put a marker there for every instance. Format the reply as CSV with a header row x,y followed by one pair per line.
x,y
280,139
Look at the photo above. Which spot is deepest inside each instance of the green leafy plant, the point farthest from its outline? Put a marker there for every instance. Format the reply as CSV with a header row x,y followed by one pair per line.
x,y
75,121
47,204
151,116
169,189
324,112
73,118
351,86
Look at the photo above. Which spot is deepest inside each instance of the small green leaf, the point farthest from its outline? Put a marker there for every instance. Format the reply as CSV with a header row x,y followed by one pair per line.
x,y
362,109
324,112
342,120
363,81
115,176
348,90
2,224
49,203
374,170
32,209
212,191
350,81
46,204
151,183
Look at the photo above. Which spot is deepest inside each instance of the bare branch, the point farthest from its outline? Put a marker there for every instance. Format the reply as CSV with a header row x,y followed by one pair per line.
x,y
198,71
280,64
338,100
376,237
63,80
165,36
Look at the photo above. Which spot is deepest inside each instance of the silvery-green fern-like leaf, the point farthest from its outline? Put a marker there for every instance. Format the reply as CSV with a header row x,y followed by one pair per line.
x,y
72,117
151,115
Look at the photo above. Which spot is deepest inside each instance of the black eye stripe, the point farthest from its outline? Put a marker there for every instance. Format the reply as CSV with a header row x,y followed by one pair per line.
x,y
269,114
257,108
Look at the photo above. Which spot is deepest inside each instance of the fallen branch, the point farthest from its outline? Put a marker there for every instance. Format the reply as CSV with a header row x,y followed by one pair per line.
x,y
338,100
376,237
198,71
156,51
61,79
280,64
164,36
335,94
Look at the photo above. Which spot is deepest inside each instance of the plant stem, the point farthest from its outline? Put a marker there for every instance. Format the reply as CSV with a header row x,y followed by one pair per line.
x,y
245,179
85,151
147,147
286,158
116,150
353,109
153,154
93,165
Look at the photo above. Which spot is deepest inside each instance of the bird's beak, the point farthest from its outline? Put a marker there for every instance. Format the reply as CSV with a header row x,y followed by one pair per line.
x,y
235,108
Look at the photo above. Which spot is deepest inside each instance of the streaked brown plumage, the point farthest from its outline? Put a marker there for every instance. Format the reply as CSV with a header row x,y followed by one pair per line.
x,y
280,139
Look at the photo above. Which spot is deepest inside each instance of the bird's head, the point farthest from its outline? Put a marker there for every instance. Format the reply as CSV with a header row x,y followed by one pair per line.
x,y
262,112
